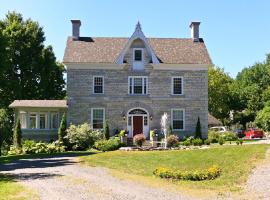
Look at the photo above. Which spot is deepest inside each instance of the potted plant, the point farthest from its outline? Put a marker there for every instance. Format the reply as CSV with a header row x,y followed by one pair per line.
x,y
139,139
123,136
154,137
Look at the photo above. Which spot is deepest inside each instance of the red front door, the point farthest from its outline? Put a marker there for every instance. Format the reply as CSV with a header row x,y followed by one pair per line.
x,y
137,125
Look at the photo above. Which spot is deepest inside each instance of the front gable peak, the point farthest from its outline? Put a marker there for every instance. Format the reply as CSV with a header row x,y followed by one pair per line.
x,y
137,34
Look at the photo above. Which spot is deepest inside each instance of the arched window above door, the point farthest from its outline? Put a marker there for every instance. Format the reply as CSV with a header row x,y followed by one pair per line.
x,y
137,111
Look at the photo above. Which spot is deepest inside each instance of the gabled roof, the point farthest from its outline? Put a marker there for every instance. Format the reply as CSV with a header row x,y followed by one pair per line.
x,y
110,49
212,121
138,34
39,104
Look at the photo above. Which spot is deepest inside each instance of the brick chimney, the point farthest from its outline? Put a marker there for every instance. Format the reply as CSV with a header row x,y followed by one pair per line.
x,y
195,31
76,29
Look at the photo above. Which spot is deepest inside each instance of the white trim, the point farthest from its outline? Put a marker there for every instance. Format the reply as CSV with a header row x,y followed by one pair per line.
x,y
182,85
184,119
97,108
93,86
143,83
161,66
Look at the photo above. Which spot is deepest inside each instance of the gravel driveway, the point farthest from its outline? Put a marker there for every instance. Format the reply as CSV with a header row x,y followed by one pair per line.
x,y
259,181
63,178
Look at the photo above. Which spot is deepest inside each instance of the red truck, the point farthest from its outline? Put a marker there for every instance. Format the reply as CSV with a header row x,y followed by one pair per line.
x,y
254,133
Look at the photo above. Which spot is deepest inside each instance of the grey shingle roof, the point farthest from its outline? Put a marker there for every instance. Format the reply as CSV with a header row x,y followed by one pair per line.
x,y
39,103
107,49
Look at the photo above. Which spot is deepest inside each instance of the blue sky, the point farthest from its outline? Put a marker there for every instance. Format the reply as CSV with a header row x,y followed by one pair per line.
x,y
237,33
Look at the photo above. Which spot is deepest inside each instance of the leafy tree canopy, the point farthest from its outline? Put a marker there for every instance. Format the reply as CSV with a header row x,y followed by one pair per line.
x,y
28,69
220,96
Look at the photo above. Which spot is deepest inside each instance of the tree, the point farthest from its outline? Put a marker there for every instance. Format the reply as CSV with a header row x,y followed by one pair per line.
x,y
17,135
198,133
220,96
252,85
5,128
263,118
28,69
62,130
107,131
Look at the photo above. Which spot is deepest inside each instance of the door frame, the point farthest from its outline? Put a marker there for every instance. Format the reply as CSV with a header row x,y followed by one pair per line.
x,y
146,128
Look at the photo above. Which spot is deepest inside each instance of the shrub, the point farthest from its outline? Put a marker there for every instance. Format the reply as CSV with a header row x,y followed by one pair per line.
x,y
207,141
82,136
108,145
213,136
17,135
197,142
198,175
221,141
239,141
62,130
139,139
172,141
229,136
188,141
29,146
107,131
153,133
198,132
13,150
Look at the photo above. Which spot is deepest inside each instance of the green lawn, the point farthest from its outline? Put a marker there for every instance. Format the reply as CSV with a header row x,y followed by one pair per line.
x,y
236,163
10,190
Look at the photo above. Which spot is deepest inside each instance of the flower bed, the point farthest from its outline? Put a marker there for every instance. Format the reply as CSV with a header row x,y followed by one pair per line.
x,y
198,175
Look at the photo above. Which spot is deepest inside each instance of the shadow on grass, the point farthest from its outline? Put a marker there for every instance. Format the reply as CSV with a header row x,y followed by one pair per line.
x,y
10,163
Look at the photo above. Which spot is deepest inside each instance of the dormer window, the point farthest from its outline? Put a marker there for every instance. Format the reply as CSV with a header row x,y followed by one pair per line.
x,y
137,54
138,63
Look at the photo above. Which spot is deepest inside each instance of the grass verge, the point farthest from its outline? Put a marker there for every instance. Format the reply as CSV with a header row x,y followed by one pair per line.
x,y
236,163
10,190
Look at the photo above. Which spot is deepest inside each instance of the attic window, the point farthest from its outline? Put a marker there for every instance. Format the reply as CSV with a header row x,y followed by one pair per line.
x,y
138,54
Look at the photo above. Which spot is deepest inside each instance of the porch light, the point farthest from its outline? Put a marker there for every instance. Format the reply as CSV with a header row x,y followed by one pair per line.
x,y
124,117
151,117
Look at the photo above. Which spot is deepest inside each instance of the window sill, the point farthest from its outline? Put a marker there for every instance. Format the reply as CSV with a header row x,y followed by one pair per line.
x,y
177,95
38,129
138,95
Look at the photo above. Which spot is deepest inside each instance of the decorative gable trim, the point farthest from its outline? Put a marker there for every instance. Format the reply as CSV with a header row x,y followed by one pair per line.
x,y
138,34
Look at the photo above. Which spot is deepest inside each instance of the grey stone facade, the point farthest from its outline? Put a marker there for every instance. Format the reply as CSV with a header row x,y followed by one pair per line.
x,y
117,101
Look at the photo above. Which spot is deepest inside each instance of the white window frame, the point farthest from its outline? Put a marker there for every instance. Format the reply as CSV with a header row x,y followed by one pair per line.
x,y
172,85
184,118
132,87
46,120
51,120
37,120
92,114
141,49
20,117
94,84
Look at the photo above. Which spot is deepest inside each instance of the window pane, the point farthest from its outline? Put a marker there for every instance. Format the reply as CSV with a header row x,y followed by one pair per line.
x,y
177,85
32,121
138,86
145,85
178,124
42,121
178,114
130,85
129,120
145,121
54,120
23,120
98,116
138,55
98,85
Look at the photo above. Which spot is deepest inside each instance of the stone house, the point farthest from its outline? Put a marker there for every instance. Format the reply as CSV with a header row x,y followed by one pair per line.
x,y
130,83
